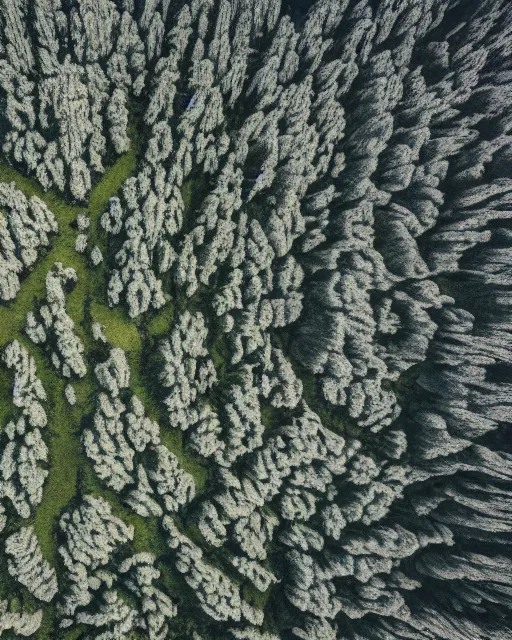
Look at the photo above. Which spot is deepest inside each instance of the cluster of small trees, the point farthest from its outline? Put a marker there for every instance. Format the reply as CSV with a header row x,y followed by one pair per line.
x,y
187,371
228,430
83,223
144,205
22,623
24,452
27,565
25,226
294,470
124,445
52,327
69,71
219,596
22,476
109,591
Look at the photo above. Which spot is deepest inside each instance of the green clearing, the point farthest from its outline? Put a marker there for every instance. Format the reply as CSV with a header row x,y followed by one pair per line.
x,y
161,322
255,597
193,191
119,331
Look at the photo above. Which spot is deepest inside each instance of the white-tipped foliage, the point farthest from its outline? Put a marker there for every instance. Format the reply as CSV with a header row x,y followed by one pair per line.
x,y
331,188
66,112
70,394
55,328
20,623
22,464
187,370
124,446
25,227
27,565
219,597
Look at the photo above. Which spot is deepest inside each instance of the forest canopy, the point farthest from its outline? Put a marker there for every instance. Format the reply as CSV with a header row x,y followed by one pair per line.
x,y
255,319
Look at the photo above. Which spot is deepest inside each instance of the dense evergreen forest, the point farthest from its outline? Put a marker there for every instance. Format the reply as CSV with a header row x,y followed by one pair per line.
x,y
255,319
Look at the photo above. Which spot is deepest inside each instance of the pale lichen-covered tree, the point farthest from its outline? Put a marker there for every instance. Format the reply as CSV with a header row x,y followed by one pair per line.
x,y
53,327
25,227
24,453
22,623
27,565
